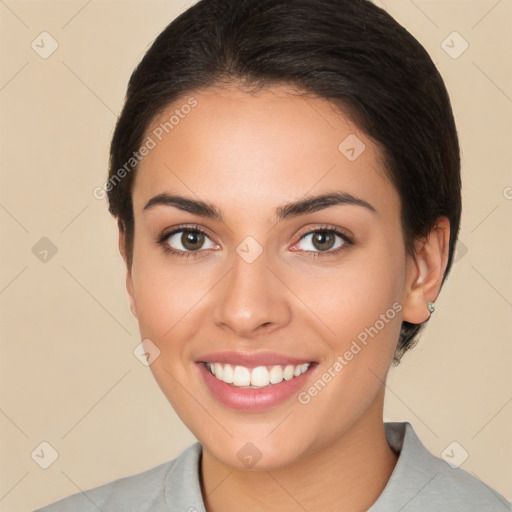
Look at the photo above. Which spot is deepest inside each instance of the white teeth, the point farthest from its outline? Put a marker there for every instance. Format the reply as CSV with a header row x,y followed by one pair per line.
x,y
228,376
288,372
276,375
218,370
258,377
241,377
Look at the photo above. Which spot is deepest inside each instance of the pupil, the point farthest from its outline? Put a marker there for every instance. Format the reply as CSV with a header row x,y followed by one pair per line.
x,y
192,240
323,241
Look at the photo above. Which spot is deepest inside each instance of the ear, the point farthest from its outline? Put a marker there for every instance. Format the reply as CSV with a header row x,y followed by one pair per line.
x,y
425,272
129,280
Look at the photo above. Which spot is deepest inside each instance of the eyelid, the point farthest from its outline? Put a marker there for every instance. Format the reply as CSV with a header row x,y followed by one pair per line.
x,y
343,233
183,227
162,241
348,240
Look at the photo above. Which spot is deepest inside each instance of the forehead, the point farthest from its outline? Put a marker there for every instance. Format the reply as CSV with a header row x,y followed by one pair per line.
x,y
253,151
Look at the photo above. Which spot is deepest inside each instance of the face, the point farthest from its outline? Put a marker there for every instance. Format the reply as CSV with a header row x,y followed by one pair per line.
x,y
268,249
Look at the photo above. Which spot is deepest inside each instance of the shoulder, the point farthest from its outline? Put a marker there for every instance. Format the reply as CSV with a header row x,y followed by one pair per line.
x,y
145,491
423,482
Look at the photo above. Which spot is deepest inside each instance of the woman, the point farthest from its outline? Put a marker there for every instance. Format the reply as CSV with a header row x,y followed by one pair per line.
x,y
286,180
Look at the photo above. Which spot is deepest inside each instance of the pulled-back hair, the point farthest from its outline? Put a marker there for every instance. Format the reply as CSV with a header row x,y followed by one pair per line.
x,y
349,52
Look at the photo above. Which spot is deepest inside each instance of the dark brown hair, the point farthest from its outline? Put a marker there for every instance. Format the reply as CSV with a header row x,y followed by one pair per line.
x,y
349,52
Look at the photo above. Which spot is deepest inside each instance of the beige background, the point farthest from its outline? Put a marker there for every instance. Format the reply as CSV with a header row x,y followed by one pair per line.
x,y
68,373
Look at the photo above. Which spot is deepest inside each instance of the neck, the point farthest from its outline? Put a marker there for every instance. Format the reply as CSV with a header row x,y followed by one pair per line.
x,y
348,474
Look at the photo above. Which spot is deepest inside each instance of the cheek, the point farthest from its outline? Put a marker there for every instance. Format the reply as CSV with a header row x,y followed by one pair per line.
x,y
364,315
168,300
364,292
360,302
165,296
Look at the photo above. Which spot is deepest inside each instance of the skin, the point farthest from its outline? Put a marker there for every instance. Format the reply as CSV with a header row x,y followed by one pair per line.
x,y
248,155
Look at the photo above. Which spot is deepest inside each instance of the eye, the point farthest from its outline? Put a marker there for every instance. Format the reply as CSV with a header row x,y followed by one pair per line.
x,y
188,240
322,240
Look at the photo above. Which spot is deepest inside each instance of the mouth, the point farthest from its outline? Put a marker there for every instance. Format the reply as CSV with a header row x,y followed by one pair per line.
x,y
258,377
257,382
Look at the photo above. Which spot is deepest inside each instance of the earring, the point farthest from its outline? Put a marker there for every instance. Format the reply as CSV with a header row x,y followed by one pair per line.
x,y
431,307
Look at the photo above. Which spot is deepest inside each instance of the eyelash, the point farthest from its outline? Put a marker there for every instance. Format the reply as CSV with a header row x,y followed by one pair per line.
x,y
347,241
169,250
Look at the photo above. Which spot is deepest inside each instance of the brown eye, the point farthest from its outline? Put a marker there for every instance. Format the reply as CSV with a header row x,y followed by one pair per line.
x,y
189,240
192,240
322,240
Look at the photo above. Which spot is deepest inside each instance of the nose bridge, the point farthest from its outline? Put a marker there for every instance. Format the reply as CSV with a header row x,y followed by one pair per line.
x,y
251,296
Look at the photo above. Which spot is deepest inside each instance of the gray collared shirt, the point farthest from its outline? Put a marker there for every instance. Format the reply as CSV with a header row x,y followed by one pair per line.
x,y
420,482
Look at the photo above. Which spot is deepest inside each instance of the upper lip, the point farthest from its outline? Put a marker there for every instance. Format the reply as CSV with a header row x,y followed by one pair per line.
x,y
251,359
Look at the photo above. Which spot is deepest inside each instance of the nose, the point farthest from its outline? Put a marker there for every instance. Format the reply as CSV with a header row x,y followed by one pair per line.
x,y
251,300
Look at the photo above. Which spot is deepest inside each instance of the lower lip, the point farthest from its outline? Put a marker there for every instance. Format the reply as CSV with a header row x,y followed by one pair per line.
x,y
253,399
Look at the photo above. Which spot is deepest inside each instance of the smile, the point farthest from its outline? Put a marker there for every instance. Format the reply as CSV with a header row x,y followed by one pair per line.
x,y
258,377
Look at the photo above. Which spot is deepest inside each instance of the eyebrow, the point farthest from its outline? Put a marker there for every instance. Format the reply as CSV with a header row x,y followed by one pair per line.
x,y
316,203
187,205
301,207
